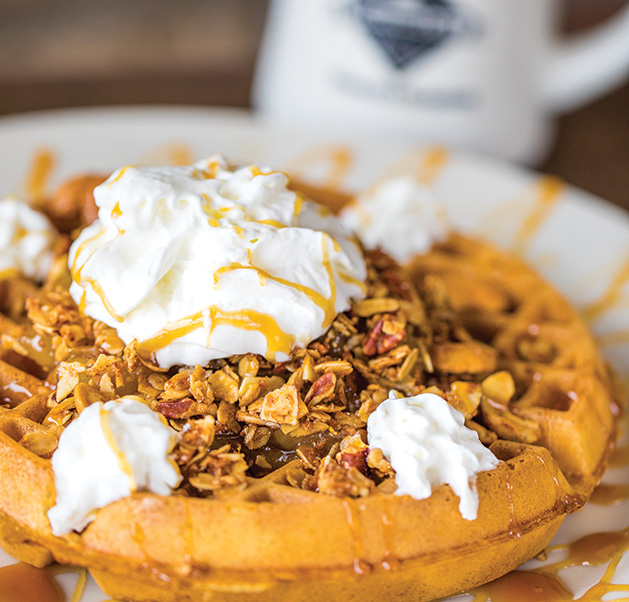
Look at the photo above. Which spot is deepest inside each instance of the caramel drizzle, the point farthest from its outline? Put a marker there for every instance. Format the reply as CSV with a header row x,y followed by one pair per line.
x,y
123,463
360,566
326,305
620,457
339,159
173,153
425,164
611,339
550,189
38,177
611,297
544,585
248,319
515,529
180,154
76,271
9,273
349,279
116,212
81,579
389,562
121,172
532,207
243,319
608,495
188,534
433,164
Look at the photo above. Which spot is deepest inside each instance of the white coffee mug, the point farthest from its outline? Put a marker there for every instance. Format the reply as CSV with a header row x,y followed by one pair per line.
x,y
481,74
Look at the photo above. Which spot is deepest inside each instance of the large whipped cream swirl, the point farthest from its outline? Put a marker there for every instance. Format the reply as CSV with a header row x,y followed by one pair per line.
x,y
205,261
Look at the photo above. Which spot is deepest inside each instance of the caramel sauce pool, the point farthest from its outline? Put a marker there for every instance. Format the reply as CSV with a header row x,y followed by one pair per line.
x,y
22,582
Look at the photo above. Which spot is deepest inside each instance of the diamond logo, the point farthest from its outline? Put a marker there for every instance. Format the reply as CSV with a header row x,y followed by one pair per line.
x,y
409,29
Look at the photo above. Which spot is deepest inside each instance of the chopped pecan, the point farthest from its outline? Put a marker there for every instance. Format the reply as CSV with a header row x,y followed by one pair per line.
x,y
385,335
322,389
353,453
176,409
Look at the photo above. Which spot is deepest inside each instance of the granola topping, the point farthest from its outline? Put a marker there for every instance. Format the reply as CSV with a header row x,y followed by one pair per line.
x,y
208,261
242,418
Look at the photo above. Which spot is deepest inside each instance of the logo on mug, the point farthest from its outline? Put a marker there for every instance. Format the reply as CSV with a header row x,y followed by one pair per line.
x,y
409,29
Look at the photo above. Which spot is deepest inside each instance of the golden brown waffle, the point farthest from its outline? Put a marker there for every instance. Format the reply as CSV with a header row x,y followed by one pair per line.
x,y
564,399
272,537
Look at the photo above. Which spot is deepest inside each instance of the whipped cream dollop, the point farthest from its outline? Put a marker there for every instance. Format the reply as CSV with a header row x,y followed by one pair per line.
x,y
108,452
427,443
27,239
400,216
206,261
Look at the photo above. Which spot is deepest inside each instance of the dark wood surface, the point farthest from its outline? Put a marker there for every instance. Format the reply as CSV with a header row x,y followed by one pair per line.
x,y
210,61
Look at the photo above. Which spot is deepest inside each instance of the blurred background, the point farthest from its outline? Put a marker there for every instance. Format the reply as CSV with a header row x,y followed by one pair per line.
x,y
71,53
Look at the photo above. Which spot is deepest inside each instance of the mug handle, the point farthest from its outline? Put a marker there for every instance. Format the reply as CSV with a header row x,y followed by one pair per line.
x,y
584,67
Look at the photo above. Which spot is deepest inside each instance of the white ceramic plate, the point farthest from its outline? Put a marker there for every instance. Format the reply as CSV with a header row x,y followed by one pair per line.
x,y
578,241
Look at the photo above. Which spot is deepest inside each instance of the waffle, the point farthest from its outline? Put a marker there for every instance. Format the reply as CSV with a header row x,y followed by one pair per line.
x,y
494,339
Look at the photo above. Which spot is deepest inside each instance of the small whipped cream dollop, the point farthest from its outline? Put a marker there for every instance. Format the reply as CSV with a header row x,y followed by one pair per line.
x,y
428,444
107,453
400,216
27,239
207,261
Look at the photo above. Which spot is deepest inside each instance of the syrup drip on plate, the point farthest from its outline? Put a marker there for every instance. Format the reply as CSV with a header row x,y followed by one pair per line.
x,y
81,581
22,582
608,495
523,586
38,178
527,211
611,298
337,160
545,585
433,164
425,164
620,456
549,190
